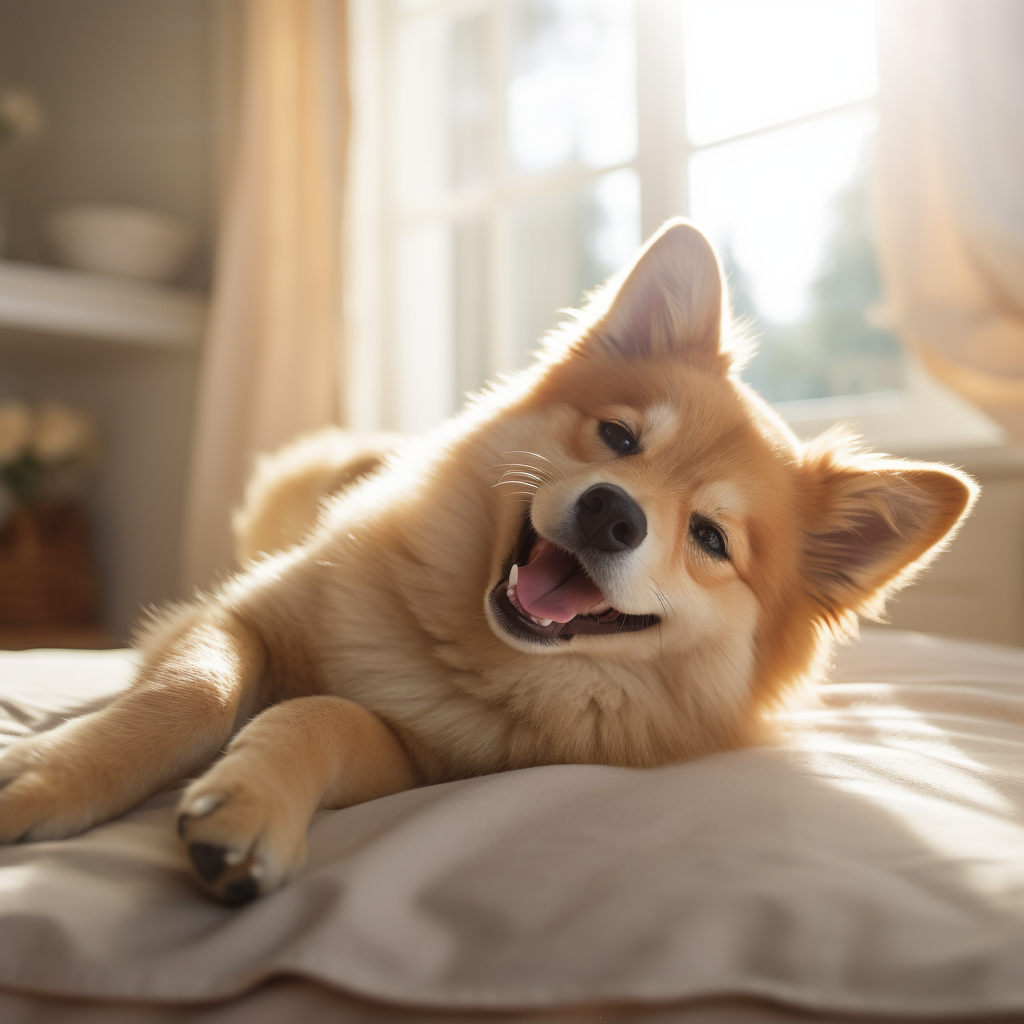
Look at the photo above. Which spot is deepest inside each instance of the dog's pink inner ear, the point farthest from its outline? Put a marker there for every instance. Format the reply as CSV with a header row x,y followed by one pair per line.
x,y
880,525
670,301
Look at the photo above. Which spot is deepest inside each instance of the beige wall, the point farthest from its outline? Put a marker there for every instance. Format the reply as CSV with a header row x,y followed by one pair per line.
x,y
975,590
132,93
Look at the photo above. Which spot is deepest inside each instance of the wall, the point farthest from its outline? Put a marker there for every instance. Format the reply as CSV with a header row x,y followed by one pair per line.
x,y
975,590
126,85
131,89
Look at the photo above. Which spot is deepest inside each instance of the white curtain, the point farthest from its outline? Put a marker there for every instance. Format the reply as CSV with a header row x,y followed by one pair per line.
x,y
270,366
951,192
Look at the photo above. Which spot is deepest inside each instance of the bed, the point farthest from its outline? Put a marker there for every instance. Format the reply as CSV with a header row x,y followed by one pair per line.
x,y
870,866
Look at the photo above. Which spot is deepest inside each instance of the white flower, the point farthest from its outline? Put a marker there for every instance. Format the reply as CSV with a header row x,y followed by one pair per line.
x,y
61,433
15,431
21,117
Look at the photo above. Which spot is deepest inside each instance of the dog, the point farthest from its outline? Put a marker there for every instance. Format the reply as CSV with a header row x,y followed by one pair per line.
x,y
620,555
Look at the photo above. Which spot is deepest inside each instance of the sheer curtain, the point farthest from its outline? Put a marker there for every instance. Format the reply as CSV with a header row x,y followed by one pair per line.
x,y
951,192
270,366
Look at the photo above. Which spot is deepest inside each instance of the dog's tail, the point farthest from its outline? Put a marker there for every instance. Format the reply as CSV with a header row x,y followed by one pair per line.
x,y
287,491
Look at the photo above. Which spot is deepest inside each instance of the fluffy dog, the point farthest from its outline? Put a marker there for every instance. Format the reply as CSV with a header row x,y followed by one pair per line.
x,y
621,556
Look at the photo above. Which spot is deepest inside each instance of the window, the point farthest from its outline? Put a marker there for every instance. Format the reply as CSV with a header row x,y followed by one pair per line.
x,y
779,123
513,185
527,147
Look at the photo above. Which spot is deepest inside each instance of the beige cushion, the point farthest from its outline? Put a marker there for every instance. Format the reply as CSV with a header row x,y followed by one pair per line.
x,y
874,864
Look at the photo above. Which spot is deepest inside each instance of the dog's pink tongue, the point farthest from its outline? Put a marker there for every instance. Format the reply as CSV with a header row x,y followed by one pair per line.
x,y
552,585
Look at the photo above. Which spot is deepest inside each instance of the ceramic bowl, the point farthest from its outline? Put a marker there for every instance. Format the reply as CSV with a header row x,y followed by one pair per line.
x,y
126,241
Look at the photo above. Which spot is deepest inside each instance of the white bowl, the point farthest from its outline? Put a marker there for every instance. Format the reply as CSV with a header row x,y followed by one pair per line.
x,y
127,241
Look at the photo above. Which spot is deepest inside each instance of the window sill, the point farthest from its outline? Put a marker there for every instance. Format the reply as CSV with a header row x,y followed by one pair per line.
x,y
926,416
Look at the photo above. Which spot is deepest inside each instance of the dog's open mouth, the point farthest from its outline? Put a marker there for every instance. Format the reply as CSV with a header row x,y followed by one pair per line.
x,y
546,595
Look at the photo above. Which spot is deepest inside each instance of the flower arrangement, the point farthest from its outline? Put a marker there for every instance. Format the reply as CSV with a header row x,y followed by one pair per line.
x,y
44,451
21,117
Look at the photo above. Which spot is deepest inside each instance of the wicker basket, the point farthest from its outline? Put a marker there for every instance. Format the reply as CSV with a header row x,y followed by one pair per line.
x,y
47,573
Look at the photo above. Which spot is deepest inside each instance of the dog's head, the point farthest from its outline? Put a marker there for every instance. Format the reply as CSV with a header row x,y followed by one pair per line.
x,y
652,507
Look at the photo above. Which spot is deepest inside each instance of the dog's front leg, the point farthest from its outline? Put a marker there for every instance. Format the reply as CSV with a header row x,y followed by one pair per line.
x,y
171,723
244,822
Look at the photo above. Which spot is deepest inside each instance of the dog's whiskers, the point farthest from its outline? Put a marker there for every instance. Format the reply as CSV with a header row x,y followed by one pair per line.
x,y
523,477
521,483
537,455
524,473
525,497
539,471
660,595
666,607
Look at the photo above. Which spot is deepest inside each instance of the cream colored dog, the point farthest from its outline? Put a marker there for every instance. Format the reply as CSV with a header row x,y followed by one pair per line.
x,y
619,556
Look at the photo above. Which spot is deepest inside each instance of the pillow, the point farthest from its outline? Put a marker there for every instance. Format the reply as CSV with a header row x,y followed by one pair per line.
x,y
873,863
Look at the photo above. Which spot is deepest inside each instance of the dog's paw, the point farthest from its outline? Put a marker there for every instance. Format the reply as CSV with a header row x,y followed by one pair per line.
x,y
39,797
243,840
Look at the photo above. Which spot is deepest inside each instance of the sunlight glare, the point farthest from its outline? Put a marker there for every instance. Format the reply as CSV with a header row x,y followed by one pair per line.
x,y
752,63
769,201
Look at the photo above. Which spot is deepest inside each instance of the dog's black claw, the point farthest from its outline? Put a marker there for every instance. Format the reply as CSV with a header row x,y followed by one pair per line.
x,y
242,890
208,859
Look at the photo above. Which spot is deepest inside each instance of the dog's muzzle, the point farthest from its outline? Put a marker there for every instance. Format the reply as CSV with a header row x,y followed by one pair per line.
x,y
545,594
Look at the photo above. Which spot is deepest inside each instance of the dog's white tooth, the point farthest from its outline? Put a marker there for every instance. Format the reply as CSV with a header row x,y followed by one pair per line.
x,y
545,622
513,576
233,857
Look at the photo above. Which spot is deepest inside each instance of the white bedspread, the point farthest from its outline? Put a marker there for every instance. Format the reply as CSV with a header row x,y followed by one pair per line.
x,y
876,864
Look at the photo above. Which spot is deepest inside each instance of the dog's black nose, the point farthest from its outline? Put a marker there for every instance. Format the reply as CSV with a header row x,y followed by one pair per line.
x,y
609,519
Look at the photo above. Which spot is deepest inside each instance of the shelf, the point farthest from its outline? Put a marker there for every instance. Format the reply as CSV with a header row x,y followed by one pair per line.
x,y
83,638
57,301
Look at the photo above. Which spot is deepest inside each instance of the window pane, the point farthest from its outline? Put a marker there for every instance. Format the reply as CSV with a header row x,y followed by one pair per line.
x,y
472,301
572,84
754,63
565,244
469,100
789,214
423,349
443,105
441,331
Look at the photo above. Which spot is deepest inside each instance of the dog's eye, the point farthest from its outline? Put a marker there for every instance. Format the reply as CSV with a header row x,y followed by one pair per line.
x,y
618,438
709,537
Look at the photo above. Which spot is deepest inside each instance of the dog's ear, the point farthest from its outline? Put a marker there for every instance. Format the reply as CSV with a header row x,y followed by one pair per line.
x,y
873,523
669,302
